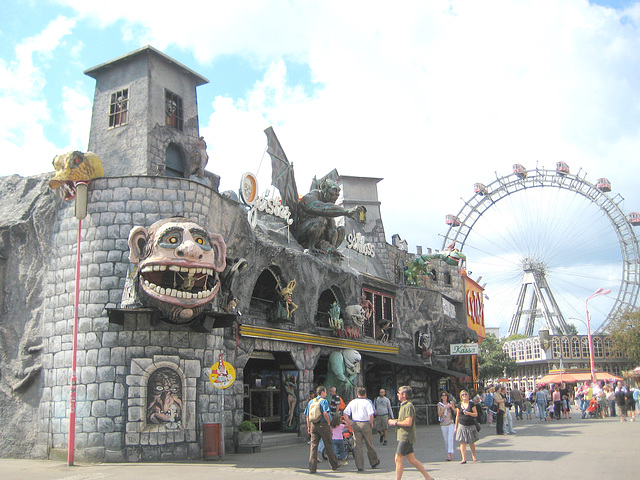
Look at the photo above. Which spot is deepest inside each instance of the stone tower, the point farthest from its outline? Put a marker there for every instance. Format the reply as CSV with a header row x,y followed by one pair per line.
x,y
145,117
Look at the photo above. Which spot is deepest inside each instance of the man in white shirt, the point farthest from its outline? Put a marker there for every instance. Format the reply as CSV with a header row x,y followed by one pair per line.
x,y
361,413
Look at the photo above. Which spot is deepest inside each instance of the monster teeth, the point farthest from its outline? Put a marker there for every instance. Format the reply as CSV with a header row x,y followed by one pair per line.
x,y
176,268
172,292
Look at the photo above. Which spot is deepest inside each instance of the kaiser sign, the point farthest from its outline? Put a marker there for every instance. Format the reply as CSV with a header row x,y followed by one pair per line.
x,y
463,348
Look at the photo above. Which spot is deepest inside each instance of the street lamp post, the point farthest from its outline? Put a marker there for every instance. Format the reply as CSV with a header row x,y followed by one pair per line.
x,y
600,291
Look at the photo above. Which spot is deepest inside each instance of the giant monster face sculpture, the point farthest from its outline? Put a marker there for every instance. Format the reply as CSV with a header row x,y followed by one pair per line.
x,y
177,266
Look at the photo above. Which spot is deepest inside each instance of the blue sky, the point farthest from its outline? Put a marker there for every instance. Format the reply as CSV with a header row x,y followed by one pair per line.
x,y
430,96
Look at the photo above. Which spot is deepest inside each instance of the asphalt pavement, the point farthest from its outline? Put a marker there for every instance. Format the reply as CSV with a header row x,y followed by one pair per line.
x,y
565,449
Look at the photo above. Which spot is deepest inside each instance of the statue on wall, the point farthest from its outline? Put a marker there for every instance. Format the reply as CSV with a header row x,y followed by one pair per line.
x,y
315,227
73,167
176,267
416,267
342,371
164,398
199,157
313,215
282,309
335,322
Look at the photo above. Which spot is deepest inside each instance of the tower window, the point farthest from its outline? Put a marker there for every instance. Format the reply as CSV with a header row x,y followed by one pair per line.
x,y
119,108
173,110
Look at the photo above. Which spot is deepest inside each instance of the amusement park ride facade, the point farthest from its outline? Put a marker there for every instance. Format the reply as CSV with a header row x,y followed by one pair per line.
x,y
179,286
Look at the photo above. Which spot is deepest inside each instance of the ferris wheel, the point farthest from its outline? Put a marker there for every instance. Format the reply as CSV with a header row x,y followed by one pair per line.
x,y
547,239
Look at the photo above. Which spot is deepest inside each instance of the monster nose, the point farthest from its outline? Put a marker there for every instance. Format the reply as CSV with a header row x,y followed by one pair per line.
x,y
189,249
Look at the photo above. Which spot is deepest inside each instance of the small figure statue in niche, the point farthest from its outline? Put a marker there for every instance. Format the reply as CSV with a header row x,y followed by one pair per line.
x,y
424,341
385,327
367,306
164,398
282,310
287,295
335,321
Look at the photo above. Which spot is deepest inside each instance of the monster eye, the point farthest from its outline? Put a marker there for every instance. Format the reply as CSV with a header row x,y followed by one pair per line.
x,y
201,239
171,239
159,388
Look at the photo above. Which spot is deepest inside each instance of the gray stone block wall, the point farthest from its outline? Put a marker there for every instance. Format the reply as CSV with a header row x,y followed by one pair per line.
x,y
106,398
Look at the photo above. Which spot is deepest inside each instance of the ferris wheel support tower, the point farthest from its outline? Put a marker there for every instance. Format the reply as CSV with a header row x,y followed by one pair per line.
x,y
542,303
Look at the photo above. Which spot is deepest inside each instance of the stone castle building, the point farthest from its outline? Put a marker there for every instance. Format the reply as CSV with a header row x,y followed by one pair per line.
x,y
145,129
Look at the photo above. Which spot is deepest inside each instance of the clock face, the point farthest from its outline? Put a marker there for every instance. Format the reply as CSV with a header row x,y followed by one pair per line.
x,y
248,188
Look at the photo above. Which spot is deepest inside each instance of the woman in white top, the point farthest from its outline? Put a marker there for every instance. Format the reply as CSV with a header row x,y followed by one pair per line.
x,y
445,414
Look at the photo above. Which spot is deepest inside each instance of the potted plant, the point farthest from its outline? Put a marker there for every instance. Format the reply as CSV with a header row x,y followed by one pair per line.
x,y
248,438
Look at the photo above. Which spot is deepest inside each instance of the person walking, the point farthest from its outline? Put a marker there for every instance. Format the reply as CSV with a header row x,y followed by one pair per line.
x,y
500,401
446,411
319,429
406,434
621,401
557,402
465,428
516,400
361,412
488,402
384,412
337,426
541,403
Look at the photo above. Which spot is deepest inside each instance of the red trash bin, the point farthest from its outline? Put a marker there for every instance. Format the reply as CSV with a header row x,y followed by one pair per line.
x,y
211,440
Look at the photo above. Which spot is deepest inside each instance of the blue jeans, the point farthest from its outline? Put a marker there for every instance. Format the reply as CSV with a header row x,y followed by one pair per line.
x,y
542,410
338,448
518,409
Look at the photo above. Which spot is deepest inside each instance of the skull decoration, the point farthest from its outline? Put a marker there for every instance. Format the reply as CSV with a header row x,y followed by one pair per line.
x,y
355,314
178,263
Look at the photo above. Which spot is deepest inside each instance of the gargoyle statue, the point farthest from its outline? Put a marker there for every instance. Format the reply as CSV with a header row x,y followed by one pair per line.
x,y
73,167
334,317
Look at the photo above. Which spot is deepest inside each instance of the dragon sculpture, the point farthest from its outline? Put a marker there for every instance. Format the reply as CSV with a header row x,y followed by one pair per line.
x,y
74,167
420,265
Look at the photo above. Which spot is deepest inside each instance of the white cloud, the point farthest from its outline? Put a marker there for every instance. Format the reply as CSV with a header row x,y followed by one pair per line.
x,y
22,99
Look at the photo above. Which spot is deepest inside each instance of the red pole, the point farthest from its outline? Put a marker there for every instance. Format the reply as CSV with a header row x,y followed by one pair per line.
x,y
72,398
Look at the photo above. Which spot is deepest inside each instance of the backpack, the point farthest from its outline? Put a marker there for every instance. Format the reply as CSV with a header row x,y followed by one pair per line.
x,y
315,411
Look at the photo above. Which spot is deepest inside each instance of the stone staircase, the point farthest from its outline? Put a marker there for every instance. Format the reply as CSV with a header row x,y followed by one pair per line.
x,y
278,439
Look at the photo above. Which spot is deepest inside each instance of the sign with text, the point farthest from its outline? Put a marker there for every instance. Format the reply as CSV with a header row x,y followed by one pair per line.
x,y
474,301
464,349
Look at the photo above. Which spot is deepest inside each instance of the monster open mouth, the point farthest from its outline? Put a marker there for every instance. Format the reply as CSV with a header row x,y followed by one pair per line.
x,y
176,282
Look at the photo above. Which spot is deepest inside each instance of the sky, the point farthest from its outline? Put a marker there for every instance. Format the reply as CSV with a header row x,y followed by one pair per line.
x,y
430,96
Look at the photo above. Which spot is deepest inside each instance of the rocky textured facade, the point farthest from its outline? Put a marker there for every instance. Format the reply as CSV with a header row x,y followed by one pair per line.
x,y
144,390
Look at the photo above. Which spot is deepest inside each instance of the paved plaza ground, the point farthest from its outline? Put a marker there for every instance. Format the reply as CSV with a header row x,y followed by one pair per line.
x,y
565,449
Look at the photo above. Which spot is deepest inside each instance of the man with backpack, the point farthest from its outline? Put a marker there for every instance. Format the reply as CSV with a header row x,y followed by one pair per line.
x,y
318,420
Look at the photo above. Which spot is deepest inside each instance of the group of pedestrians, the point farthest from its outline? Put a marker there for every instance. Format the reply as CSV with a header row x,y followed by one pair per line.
x,y
360,415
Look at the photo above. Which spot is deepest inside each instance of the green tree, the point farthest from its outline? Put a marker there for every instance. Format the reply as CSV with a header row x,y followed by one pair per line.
x,y
572,329
492,361
625,334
